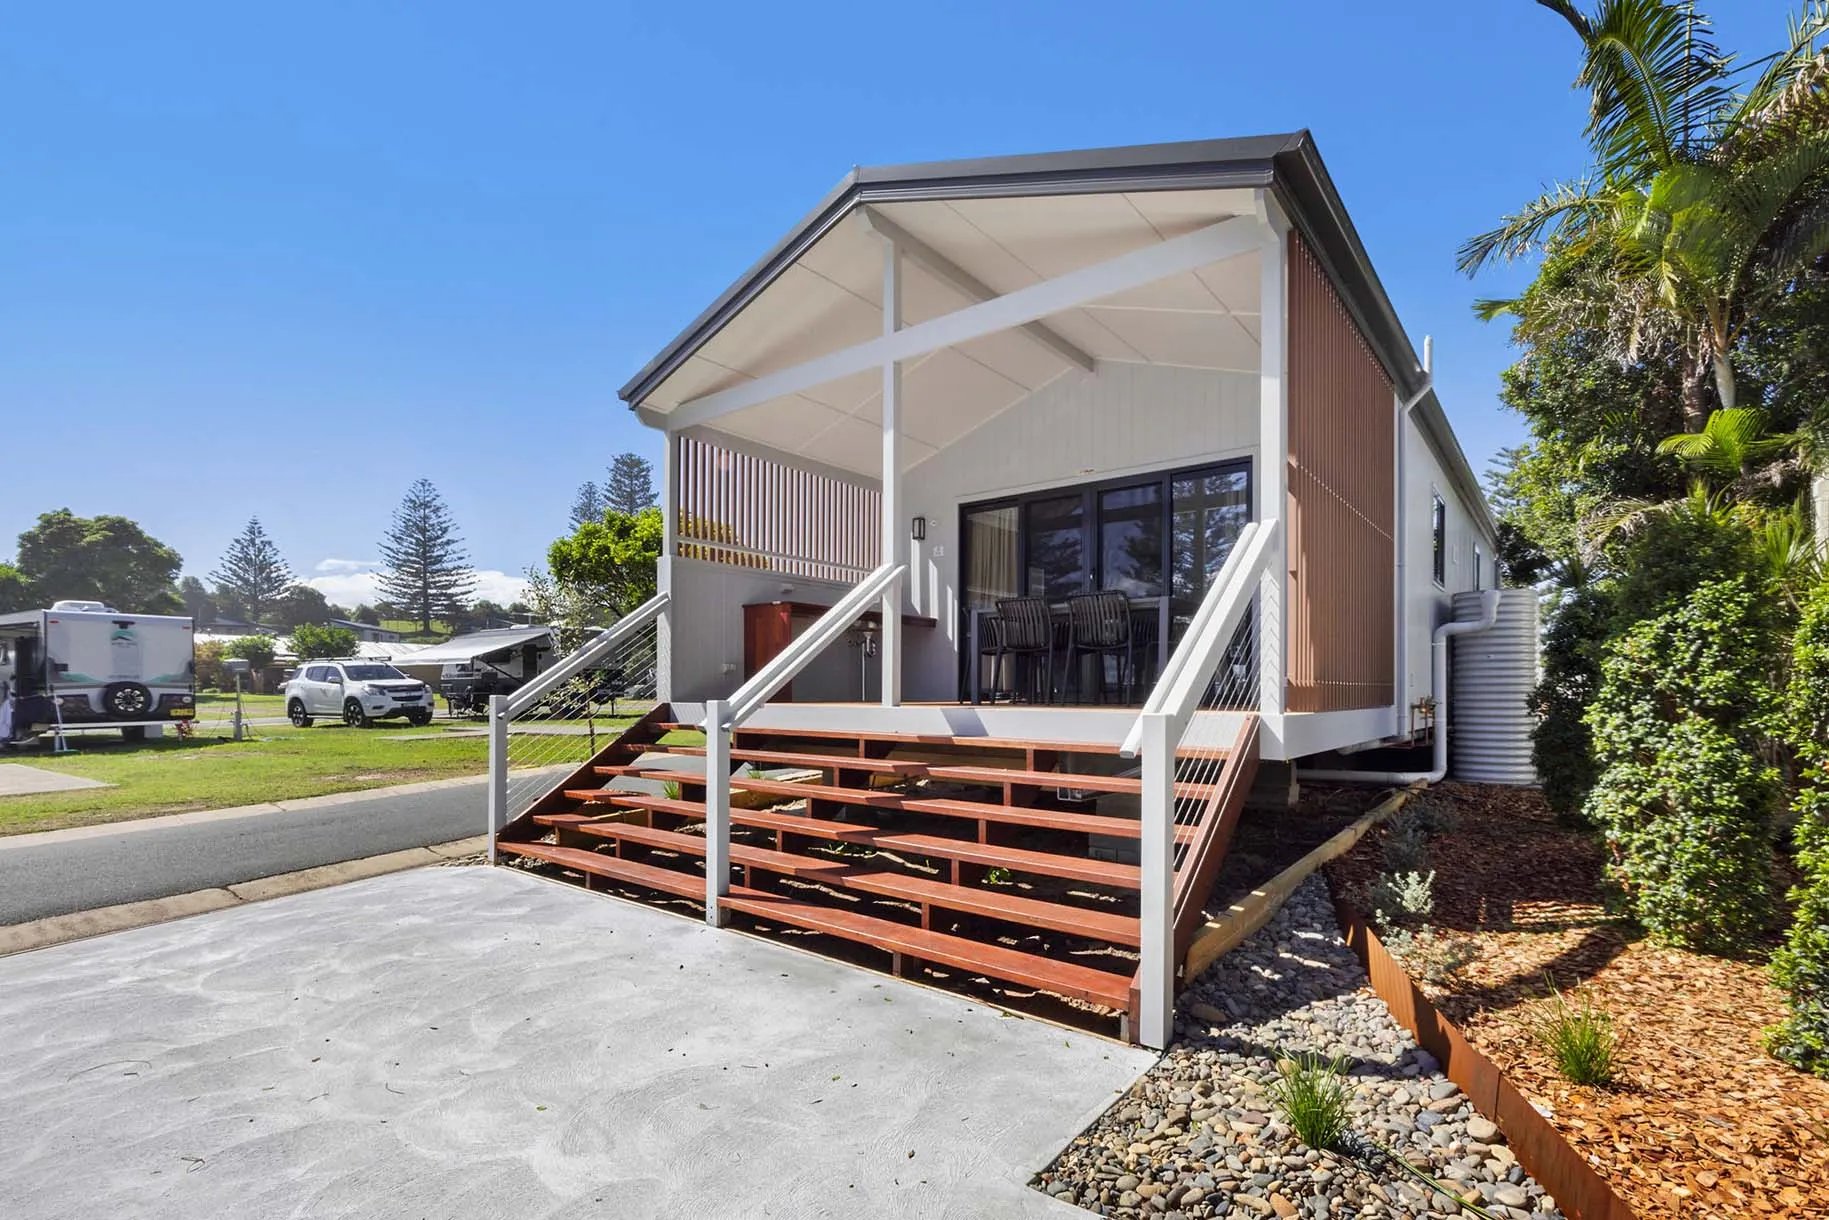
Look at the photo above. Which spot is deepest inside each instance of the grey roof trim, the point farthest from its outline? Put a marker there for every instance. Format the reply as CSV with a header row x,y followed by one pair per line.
x,y
1289,164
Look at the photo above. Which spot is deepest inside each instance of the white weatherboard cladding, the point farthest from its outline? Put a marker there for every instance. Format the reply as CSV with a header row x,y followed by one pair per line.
x,y
1126,419
1426,604
1493,673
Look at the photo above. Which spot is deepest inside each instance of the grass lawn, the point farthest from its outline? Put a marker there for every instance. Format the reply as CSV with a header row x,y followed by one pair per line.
x,y
213,707
211,772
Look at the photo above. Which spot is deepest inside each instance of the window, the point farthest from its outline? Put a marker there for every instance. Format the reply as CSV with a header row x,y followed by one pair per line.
x,y
1479,570
1439,527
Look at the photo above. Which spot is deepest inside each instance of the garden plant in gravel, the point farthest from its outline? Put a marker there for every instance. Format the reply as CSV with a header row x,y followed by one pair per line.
x,y
1203,1134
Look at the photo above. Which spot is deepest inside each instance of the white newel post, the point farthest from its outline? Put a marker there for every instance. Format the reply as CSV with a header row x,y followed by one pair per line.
x,y
895,534
1272,477
717,810
1156,900
496,800
663,573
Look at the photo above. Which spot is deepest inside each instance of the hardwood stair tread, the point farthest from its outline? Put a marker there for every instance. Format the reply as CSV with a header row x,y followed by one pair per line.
x,y
1019,859
1047,819
829,762
1012,744
762,819
995,904
1010,965
666,880
997,776
786,863
820,792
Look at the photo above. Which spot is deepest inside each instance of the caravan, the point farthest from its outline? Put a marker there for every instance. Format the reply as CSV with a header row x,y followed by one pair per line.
x,y
82,664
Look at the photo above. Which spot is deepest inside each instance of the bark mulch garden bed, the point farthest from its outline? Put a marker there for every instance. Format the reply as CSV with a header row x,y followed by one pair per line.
x,y
1701,1122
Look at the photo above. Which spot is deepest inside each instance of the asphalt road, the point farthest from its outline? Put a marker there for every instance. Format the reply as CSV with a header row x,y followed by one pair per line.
x,y
60,875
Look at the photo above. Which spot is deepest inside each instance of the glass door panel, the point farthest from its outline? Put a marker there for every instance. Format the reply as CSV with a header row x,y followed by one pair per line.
x,y
990,556
1207,511
1055,537
1130,540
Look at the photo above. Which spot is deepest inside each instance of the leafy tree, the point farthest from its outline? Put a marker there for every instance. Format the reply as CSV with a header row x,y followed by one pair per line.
x,y
252,573
106,559
1562,745
197,601
610,564
302,604
315,642
630,487
427,571
207,665
1684,795
365,613
256,650
588,505
15,593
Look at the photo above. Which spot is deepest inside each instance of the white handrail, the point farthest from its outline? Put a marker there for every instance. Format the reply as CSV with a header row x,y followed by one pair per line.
x,y
1184,679
791,660
586,656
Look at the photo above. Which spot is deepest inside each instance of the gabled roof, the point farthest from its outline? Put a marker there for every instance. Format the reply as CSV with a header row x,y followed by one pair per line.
x,y
1288,165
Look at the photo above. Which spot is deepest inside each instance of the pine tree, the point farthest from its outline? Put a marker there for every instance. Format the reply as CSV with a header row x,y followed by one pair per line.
x,y
426,570
588,506
630,487
252,575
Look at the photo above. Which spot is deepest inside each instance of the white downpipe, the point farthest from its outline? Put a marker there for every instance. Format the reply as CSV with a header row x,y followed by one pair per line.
x,y
1401,685
1489,614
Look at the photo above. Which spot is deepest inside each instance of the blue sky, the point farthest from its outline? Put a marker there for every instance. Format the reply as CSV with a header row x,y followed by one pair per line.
x,y
284,262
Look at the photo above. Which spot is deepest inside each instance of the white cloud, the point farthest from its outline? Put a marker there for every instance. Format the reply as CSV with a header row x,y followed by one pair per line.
x,y
350,582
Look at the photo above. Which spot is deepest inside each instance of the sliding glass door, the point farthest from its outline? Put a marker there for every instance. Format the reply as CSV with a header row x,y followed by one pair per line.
x,y
1159,539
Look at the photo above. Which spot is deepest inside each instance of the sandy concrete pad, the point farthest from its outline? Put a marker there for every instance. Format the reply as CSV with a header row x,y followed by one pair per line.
x,y
479,1042
17,779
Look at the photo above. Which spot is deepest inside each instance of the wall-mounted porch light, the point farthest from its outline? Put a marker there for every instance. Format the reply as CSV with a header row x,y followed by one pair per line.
x,y
919,532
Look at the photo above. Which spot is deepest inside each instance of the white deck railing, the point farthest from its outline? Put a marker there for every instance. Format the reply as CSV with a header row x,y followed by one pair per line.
x,y
723,716
548,726
1211,667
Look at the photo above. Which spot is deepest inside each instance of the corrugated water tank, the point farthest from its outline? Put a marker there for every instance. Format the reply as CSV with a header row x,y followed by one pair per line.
x,y
1494,670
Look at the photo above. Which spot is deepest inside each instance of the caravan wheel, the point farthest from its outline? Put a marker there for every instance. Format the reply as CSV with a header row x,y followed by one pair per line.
x,y
127,701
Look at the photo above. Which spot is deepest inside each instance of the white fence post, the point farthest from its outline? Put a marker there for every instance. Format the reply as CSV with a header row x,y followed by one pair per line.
x,y
497,800
717,811
1156,990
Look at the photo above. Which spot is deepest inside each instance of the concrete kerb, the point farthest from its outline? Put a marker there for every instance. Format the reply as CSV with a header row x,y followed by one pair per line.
x,y
80,925
1221,936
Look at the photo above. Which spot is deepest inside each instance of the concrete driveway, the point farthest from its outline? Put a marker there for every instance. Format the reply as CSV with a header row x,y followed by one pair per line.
x,y
471,1042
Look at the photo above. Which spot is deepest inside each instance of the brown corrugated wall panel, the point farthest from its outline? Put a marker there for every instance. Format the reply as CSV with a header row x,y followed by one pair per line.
x,y
1342,501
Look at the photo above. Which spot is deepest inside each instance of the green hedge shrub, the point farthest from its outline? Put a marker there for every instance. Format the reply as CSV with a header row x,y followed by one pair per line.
x,y
311,642
1562,747
1684,795
1801,967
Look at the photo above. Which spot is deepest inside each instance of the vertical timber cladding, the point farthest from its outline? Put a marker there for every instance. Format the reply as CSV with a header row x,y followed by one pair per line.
x,y
1342,550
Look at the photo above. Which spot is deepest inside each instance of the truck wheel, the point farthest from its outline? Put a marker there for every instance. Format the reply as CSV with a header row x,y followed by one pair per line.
x,y
354,716
126,700
419,719
295,712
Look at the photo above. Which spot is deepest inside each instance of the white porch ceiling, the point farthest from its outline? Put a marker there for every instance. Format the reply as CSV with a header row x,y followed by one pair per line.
x,y
830,299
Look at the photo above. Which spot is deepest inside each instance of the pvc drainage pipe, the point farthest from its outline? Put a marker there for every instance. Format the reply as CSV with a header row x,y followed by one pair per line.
x,y
1489,614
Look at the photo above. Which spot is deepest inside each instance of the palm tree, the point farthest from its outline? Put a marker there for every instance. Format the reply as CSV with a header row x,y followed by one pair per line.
x,y
1712,198
1731,447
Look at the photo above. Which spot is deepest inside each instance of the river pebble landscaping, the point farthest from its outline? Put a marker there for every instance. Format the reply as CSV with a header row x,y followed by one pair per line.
x,y
1200,1136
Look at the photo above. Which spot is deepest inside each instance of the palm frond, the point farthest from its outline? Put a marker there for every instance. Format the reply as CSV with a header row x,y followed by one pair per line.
x,y
1569,210
1574,16
1792,86
1489,308
1658,83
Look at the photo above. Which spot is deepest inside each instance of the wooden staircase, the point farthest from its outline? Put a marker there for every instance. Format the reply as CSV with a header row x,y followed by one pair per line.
x,y
994,866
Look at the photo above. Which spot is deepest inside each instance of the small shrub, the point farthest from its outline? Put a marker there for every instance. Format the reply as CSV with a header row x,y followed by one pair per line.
x,y
671,789
1404,845
311,642
1562,746
1431,956
1433,813
1406,896
256,650
1801,967
1580,1038
1311,1094
207,666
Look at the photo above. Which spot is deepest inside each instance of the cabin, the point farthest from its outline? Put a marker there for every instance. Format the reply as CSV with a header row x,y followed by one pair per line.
x,y
1017,510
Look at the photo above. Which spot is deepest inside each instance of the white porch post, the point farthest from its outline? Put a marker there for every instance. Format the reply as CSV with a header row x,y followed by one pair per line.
x,y
895,535
663,574
1156,896
1273,454
717,810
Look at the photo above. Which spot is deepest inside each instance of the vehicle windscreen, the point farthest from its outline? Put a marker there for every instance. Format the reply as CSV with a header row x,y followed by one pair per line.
x,y
371,673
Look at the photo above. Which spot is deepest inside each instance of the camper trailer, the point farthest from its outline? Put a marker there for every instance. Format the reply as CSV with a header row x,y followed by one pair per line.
x,y
83,664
